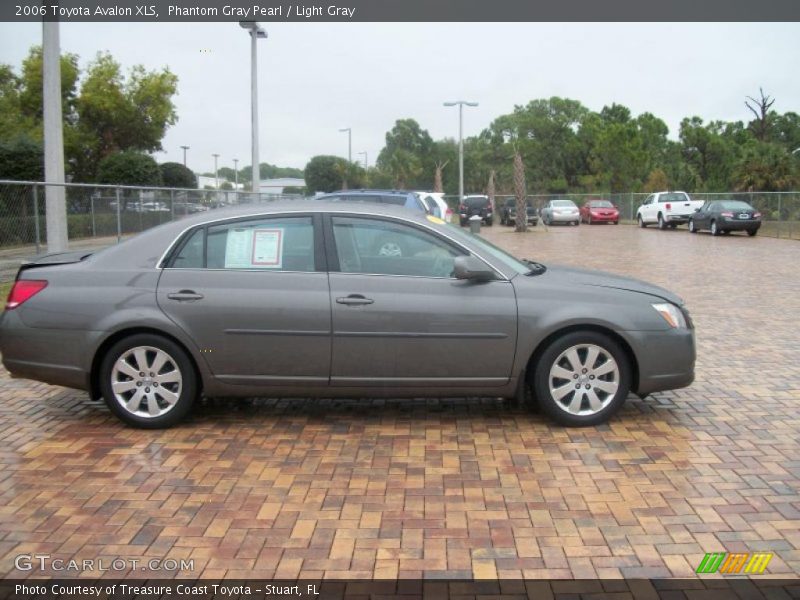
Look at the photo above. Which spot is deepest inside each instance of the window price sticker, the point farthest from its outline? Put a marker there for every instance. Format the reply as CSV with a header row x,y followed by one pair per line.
x,y
254,249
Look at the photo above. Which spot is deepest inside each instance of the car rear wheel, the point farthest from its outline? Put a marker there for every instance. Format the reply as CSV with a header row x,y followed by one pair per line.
x,y
642,224
752,232
148,381
714,229
692,228
662,224
582,379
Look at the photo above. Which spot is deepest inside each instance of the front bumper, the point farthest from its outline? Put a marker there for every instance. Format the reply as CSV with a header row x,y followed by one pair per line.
x,y
665,359
603,218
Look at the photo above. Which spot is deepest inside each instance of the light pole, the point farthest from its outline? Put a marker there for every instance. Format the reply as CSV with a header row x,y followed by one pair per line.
x,y
55,195
236,171
255,33
461,104
349,143
216,172
366,164
185,148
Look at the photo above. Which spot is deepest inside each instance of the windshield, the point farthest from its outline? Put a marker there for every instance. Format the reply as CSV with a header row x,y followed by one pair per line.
x,y
601,204
489,249
476,202
563,203
735,205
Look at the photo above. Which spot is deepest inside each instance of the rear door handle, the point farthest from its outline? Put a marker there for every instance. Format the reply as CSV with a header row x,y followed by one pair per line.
x,y
354,300
184,295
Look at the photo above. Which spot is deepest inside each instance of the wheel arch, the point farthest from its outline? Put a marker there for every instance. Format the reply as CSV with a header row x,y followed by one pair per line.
x,y
97,359
530,366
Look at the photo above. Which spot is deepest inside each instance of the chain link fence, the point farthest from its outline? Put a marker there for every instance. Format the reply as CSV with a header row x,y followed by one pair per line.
x,y
780,210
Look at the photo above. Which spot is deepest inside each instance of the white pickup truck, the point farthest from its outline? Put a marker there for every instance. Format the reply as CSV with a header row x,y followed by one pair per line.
x,y
667,209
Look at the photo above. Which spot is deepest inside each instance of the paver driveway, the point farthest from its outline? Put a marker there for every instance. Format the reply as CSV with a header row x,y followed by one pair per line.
x,y
455,488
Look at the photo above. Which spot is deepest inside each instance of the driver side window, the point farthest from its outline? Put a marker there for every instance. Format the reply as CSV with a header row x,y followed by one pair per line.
x,y
377,247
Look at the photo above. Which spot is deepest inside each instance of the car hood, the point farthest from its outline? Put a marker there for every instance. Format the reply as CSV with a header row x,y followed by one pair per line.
x,y
573,276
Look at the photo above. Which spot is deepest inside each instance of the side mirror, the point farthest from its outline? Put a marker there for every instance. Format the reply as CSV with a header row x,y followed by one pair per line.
x,y
472,268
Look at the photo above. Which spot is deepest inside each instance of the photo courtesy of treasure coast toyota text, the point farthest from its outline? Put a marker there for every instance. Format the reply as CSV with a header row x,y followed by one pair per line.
x,y
399,300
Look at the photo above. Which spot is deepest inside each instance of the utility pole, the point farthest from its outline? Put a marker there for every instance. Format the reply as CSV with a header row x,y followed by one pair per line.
x,y
55,195
216,172
349,143
236,171
256,33
461,104
185,148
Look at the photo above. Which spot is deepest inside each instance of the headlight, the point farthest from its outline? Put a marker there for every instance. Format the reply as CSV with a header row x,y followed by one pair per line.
x,y
672,315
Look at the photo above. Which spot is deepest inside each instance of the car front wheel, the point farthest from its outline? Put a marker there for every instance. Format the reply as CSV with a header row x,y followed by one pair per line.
x,y
714,229
662,224
148,381
642,224
692,228
752,232
582,379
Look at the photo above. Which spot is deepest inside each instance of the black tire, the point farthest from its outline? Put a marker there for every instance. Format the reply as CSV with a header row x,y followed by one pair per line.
x,y
547,359
662,224
752,232
673,225
463,222
692,228
726,232
188,388
714,229
489,222
577,223
642,224
616,222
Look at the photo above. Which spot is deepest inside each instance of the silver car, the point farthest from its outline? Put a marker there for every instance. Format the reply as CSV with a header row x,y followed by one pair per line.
x,y
560,211
299,300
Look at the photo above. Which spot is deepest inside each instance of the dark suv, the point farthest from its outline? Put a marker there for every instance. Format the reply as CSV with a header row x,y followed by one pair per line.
x,y
409,200
475,205
508,213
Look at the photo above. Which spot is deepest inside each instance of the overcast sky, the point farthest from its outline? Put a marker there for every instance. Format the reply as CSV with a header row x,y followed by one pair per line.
x,y
317,78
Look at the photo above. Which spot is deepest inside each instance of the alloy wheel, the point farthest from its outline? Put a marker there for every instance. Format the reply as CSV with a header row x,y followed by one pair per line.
x,y
584,379
146,381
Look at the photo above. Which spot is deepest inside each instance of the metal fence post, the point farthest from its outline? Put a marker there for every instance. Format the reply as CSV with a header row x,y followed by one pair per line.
x,y
36,218
172,203
119,217
780,216
91,201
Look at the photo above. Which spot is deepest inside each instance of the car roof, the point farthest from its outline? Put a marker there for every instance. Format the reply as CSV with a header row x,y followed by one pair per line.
x,y
368,191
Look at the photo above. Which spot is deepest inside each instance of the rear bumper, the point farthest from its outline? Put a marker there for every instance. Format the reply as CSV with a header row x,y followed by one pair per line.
x,y
677,218
665,359
47,355
531,218
736,225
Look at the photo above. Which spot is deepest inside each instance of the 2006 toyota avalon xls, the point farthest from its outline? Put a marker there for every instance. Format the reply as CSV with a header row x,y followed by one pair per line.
x,y
337,300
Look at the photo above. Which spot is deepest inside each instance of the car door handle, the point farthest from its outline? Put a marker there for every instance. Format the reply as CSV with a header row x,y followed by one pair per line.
x,y
185,295
354,300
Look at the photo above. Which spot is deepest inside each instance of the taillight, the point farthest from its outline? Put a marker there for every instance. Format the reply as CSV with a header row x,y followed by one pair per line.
x,y
23,290
669,206
726,214
756,215
462,207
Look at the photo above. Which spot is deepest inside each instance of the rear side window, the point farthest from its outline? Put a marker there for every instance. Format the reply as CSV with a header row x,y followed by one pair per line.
x,y
191,254
394,200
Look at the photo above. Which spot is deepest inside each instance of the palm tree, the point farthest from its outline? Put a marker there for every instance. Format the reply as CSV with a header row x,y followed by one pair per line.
x,y
437,177
490,189
519,192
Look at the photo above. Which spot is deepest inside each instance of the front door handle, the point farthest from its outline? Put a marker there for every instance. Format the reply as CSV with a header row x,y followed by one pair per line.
x,y
354,300
184,295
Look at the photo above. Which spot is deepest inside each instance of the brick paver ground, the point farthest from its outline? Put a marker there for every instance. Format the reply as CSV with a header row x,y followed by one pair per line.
x,y
449,488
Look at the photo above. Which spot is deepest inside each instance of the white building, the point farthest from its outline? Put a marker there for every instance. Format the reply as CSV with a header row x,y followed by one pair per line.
x,y
276,186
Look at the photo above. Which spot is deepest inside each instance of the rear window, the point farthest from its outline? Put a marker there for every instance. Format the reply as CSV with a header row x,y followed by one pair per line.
x,y
395,200
735,205
563,203
476,202
674,197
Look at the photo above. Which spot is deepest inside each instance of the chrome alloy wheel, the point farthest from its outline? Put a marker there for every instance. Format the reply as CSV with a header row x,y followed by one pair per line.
x,y
584,379
146,381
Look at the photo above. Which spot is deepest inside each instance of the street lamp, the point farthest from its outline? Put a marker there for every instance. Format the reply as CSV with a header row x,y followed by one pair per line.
x,y
349,143
366,164
216,173
460,104
185,148
256,33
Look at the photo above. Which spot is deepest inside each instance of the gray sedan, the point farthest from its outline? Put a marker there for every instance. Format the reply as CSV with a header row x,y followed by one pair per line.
x,y
560,211
300,300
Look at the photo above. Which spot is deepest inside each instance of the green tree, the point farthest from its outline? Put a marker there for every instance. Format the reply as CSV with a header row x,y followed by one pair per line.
x,y
22,159
324,173
175,175
129,168
408,155
765,167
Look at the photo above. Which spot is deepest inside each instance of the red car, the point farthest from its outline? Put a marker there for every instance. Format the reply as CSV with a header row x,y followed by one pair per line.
x,y
599,211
